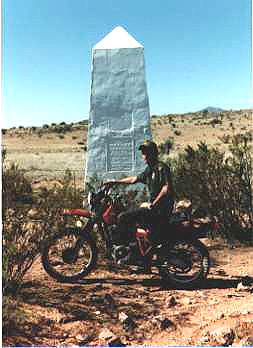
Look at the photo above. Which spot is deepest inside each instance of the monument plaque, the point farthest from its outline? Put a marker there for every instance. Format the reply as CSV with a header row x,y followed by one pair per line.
x,y
120,154
119,118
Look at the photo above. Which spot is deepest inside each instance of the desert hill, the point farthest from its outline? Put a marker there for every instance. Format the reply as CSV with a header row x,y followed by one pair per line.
x,y
46,152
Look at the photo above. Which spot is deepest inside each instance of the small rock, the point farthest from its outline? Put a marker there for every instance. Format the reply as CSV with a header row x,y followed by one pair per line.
x,y
108,298
246,341
221,316
246,311
204,339
80,337
241,287
129,324
200,293
34,213
223,335
122,316
106,335
116,343
102,299
155,323
171,301
166,323
186,301
98,299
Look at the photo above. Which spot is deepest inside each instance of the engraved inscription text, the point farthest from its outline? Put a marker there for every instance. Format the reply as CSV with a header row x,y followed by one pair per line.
x,y
120,154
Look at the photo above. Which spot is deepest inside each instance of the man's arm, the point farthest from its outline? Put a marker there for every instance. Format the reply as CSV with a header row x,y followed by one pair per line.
x,y
128,180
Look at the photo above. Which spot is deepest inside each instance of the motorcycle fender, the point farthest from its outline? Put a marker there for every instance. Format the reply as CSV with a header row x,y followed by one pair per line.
x,y
81,212
142,233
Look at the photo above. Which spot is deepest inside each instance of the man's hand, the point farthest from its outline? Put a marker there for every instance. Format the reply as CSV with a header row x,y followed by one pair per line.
x,y
146,205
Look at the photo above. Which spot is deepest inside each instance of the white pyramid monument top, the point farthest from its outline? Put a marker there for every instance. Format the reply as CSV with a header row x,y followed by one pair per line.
x,y
117,38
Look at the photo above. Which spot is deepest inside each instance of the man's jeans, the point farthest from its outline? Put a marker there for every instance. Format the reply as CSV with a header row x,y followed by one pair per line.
x,y
146,218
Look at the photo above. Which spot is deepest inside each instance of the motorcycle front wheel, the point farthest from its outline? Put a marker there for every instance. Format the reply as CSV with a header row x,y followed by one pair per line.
x,y
184,262
69,256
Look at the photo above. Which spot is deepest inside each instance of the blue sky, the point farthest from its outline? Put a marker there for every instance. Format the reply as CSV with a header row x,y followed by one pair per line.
x,y
197,54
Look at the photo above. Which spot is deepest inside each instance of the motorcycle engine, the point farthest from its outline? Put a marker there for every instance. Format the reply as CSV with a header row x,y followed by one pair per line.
x,y
121,254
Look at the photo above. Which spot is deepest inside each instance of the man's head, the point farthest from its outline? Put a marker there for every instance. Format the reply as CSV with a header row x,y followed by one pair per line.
x,y
150,150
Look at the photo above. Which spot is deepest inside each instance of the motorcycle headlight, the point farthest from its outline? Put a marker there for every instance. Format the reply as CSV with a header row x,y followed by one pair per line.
x,y
79,224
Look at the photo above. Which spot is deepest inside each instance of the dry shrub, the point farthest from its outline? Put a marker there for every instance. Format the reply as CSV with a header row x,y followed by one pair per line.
x,y
29,219
167,146
221,185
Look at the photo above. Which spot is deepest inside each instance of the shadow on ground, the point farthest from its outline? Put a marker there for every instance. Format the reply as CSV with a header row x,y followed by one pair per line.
x,y
96,303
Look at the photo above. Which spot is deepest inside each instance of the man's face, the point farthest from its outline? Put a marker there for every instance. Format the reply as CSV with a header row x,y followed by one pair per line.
x,y
145,157
148,159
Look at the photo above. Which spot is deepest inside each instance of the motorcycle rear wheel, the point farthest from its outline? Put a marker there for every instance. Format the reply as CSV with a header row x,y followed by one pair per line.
x,y
184,262
63,261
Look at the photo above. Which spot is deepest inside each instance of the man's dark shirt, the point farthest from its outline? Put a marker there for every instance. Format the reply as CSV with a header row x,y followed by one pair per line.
x,y
156,177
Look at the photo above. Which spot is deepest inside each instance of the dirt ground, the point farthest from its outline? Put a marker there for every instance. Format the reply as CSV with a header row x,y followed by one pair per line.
x,y
46,156
115,307
129,309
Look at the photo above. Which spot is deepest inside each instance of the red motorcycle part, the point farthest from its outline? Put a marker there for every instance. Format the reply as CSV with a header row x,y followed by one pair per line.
x,y
109,216
144,243
80,212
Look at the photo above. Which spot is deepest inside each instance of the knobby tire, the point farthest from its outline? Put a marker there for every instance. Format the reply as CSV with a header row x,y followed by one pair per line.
x,y
86,266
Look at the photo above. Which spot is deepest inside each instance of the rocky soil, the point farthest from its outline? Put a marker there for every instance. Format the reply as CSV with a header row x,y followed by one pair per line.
x,y
113,307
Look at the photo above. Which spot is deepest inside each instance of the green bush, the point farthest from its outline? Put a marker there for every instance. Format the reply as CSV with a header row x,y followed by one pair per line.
x,y
22,233
62,128
215,121
177,132
166,147
16,188
221,185
16,191
225,138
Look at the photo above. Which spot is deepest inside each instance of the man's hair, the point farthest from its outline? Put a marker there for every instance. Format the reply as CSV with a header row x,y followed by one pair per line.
x,y
149,148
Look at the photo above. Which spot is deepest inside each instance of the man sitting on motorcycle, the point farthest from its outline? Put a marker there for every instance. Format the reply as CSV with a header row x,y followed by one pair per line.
x,y
157,176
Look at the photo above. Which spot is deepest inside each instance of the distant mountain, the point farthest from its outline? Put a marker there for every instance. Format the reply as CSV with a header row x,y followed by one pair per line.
x,y
212,109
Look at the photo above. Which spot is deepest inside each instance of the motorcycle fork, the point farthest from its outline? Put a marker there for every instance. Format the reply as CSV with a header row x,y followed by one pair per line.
x,y
84,234
144,245
105,233
102,228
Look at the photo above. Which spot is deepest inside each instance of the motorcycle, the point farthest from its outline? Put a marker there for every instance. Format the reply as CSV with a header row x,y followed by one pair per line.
x,y
73,251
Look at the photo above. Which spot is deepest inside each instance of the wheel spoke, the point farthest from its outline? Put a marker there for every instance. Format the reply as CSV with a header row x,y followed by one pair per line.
x,y
183,264
64,259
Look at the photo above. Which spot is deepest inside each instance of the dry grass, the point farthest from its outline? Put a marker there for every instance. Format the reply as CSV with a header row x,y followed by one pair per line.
x,y
46,155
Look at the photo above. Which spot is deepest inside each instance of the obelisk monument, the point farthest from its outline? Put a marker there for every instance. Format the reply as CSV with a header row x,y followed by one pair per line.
x,y
119,118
